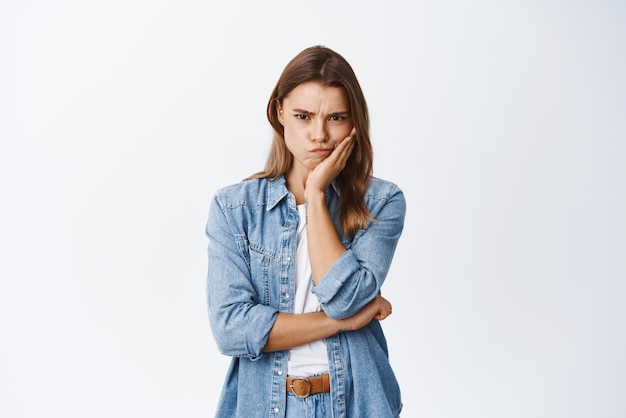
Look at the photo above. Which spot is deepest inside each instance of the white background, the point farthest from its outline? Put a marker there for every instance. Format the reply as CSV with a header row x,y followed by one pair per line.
x,y
502,121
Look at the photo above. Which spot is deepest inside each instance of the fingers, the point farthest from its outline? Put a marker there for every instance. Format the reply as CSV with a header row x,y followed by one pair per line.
x,y
378,308
330,168
343,150
353,132
346,144
384,308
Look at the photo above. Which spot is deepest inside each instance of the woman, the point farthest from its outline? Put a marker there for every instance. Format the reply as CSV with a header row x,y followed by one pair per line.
x,y
298,254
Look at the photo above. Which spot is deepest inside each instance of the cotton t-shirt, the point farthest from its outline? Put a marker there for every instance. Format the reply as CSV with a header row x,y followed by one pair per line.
x,y
308,359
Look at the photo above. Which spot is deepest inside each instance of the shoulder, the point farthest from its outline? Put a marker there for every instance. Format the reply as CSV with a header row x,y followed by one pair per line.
x,y
243,187
382,189
246,192
383,196
252,193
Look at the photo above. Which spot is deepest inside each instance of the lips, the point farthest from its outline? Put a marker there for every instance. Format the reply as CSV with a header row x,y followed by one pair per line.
x,y
323,152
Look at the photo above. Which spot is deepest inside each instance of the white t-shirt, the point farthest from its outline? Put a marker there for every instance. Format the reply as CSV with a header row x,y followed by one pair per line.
x,y
308,359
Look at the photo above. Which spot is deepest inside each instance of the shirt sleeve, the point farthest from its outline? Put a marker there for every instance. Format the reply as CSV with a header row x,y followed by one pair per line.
x,y
240,324
357,276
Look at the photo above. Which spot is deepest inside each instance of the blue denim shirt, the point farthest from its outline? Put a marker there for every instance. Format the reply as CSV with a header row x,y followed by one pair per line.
x,y
252,230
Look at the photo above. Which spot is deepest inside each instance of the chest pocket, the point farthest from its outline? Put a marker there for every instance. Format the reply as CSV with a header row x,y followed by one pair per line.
x,y
259,260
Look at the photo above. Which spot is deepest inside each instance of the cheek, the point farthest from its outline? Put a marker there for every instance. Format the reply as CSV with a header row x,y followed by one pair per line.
x,y
290,133
295,132
338,133
291,139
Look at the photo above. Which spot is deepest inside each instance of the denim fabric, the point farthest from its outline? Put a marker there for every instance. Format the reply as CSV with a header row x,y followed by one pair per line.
x,y
315,406
252,230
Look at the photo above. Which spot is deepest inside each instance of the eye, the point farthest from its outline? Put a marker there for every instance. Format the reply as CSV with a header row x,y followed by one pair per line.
x,y
301,116
337,118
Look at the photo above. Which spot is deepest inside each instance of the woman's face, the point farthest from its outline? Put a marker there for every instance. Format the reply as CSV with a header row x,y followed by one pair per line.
x,y
315,118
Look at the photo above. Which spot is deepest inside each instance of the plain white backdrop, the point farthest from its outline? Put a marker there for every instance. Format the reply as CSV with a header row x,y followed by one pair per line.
x,y
502,121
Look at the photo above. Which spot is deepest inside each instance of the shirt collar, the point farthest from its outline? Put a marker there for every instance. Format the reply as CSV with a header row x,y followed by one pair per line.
x,y
277,191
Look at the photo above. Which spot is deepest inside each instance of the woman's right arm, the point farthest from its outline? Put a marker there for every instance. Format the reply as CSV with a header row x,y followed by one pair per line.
x,y
292,330
240,324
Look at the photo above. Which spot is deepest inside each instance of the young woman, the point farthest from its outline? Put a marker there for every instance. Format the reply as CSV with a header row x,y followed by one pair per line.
x,y
298,254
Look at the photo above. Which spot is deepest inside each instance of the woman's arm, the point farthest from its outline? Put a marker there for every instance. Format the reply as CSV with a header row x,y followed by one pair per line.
x,y
357,276
323,242
347,279
292,330
240,324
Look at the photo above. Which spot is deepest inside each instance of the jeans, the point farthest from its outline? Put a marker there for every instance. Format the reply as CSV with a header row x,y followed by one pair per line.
x,y
314,406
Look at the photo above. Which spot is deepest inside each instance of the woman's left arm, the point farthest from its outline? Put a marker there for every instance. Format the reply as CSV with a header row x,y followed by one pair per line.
x,y
347,279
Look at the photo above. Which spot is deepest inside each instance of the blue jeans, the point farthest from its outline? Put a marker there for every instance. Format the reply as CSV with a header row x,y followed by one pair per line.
x,y
314,406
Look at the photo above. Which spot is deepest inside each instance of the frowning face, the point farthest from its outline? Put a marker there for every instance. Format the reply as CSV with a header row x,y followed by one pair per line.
x,y
315,118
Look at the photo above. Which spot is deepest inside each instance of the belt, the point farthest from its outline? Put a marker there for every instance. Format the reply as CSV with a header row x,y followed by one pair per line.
x,y
305,386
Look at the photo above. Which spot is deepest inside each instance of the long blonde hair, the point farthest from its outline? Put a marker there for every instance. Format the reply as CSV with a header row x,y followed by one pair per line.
x,y
324,65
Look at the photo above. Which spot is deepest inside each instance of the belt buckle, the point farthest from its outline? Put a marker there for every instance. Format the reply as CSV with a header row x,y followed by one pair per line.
x,y
308,392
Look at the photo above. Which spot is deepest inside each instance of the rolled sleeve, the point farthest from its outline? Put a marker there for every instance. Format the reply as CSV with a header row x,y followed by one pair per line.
x,y
358,274
240,325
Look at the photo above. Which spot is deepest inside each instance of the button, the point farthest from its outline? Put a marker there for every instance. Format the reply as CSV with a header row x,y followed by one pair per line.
x,y
280,372
276,410
288,258
287,295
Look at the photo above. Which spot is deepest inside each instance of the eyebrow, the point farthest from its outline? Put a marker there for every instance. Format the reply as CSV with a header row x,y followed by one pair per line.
x,y
306,112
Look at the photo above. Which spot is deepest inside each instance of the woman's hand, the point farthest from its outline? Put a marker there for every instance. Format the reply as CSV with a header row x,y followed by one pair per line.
x,y
379,308
321,176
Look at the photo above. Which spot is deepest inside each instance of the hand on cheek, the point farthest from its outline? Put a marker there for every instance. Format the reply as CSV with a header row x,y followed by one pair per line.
x,y
326,171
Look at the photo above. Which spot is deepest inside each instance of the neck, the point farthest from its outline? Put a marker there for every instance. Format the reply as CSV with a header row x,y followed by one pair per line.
x,y
296,183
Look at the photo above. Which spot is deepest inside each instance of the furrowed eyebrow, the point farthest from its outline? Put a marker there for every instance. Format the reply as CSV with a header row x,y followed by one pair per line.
x,y
306,112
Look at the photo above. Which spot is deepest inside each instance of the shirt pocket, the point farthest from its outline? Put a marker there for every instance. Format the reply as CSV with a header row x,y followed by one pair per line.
x,y
260,266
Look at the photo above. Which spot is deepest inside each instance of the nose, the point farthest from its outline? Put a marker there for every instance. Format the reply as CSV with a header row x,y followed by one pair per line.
x,y
318,131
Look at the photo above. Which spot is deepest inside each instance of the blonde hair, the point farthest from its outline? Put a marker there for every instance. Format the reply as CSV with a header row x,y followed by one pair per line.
x,y
326,66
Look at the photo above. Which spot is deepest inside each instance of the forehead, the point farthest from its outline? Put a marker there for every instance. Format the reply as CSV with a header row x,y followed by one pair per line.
x,y
314,94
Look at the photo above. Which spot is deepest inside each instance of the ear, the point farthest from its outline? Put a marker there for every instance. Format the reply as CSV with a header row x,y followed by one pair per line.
x,y
279,113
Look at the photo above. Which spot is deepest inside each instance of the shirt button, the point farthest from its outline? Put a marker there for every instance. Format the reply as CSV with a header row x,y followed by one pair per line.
x,y
287,295
276,410
280,372
288,258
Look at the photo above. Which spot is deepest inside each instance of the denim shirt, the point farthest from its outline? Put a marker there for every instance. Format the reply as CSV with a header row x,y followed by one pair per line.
x,y
252,229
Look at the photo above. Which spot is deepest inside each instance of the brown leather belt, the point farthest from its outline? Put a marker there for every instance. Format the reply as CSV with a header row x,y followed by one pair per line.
x,y
305,386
